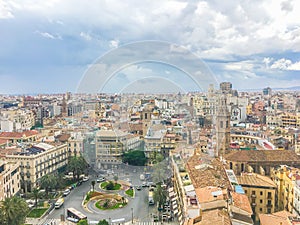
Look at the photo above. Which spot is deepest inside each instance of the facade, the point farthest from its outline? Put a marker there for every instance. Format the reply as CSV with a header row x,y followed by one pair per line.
x,y
260,161
39,160
286,179
222,127
261,192
9,179
153,143
110,145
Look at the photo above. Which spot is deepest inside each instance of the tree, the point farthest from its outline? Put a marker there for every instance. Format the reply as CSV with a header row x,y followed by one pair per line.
x,y
77,165
35,193
93,184
103,222
13,211
116,178
48,182
160,196
110,186
135,158
161,171
83,222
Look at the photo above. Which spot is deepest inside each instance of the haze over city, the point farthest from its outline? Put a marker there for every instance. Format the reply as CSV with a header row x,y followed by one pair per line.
x,y
46,46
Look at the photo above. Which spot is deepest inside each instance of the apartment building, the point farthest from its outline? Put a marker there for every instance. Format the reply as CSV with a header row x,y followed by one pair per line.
x,y
261,192
38,160
110,145
9,179
16,120
285,178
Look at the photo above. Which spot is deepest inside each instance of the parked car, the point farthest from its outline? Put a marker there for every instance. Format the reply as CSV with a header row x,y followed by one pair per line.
x,y
85,179
66,192
138,188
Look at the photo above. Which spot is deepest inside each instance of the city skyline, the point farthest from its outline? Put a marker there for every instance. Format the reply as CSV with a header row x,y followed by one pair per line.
x,y
48,46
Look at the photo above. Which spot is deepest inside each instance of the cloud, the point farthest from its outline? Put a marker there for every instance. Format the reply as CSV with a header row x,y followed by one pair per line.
x,y
286,6
286,64
114,43
48,35
5,11
85,36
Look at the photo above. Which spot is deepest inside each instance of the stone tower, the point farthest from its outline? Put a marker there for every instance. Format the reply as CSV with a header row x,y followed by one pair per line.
x,y
222,127
146,118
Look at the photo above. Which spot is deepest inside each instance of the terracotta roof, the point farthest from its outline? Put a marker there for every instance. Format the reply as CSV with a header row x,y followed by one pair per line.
x,y
206,194
213,174
275,218
18,134
254,179
262,156
215,217
241,201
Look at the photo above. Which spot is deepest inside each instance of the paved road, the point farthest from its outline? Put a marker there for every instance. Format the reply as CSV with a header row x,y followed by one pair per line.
x,y
138,205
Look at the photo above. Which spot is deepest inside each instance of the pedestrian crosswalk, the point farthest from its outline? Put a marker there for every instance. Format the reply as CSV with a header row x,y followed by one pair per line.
x,y
49,222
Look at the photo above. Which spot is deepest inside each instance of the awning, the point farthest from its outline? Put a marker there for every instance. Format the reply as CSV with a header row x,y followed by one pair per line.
x,y
171,189
174,206
175,211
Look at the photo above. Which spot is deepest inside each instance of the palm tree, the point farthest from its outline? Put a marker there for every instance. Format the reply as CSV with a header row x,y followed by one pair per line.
x,y
13,211
116,178
93,184
35,193
48,182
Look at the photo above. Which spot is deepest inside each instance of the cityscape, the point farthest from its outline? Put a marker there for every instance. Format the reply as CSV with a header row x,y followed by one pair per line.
x,y
149,112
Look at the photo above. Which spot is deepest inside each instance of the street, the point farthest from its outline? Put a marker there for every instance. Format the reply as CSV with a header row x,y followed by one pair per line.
x,y
137,207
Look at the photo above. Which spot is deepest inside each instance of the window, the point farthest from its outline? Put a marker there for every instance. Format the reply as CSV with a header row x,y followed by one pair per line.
x,y
260,209
260,201
261,193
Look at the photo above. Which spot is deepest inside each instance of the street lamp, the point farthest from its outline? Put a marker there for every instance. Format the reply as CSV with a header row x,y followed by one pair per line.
x,y
131,215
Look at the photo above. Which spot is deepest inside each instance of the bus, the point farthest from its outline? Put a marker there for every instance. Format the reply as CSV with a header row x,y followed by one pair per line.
x,y
74,215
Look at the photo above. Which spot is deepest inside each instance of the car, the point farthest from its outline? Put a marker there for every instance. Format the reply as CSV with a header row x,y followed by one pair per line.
x,y
145,184
100,179
85,179
138,188
72,219
66,192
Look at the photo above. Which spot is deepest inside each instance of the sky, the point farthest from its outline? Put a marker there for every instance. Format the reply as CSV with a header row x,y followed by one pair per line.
x,y
50,46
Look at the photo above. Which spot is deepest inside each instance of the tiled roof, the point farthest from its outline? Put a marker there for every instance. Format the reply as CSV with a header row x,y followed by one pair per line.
x,y
275,218
207,194
255,180
262,156
18,134
212,175
241,201
215,217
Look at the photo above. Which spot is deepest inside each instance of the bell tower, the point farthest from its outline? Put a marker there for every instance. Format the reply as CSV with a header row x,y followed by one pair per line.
x,y
222,127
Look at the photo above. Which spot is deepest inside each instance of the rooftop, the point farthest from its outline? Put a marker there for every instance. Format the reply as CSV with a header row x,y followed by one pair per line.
x,y
253,179
263,156
211,175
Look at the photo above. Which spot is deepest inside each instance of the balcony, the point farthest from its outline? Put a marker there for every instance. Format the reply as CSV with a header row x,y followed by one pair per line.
x,y
269,205
253,204
253,196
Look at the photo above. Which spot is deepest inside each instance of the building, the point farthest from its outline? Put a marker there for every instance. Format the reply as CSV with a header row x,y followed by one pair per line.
x,y
226,87
267,91
281,218
110,145
260,161
39,160
286,179
19,137
9,179
261,192
222,127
